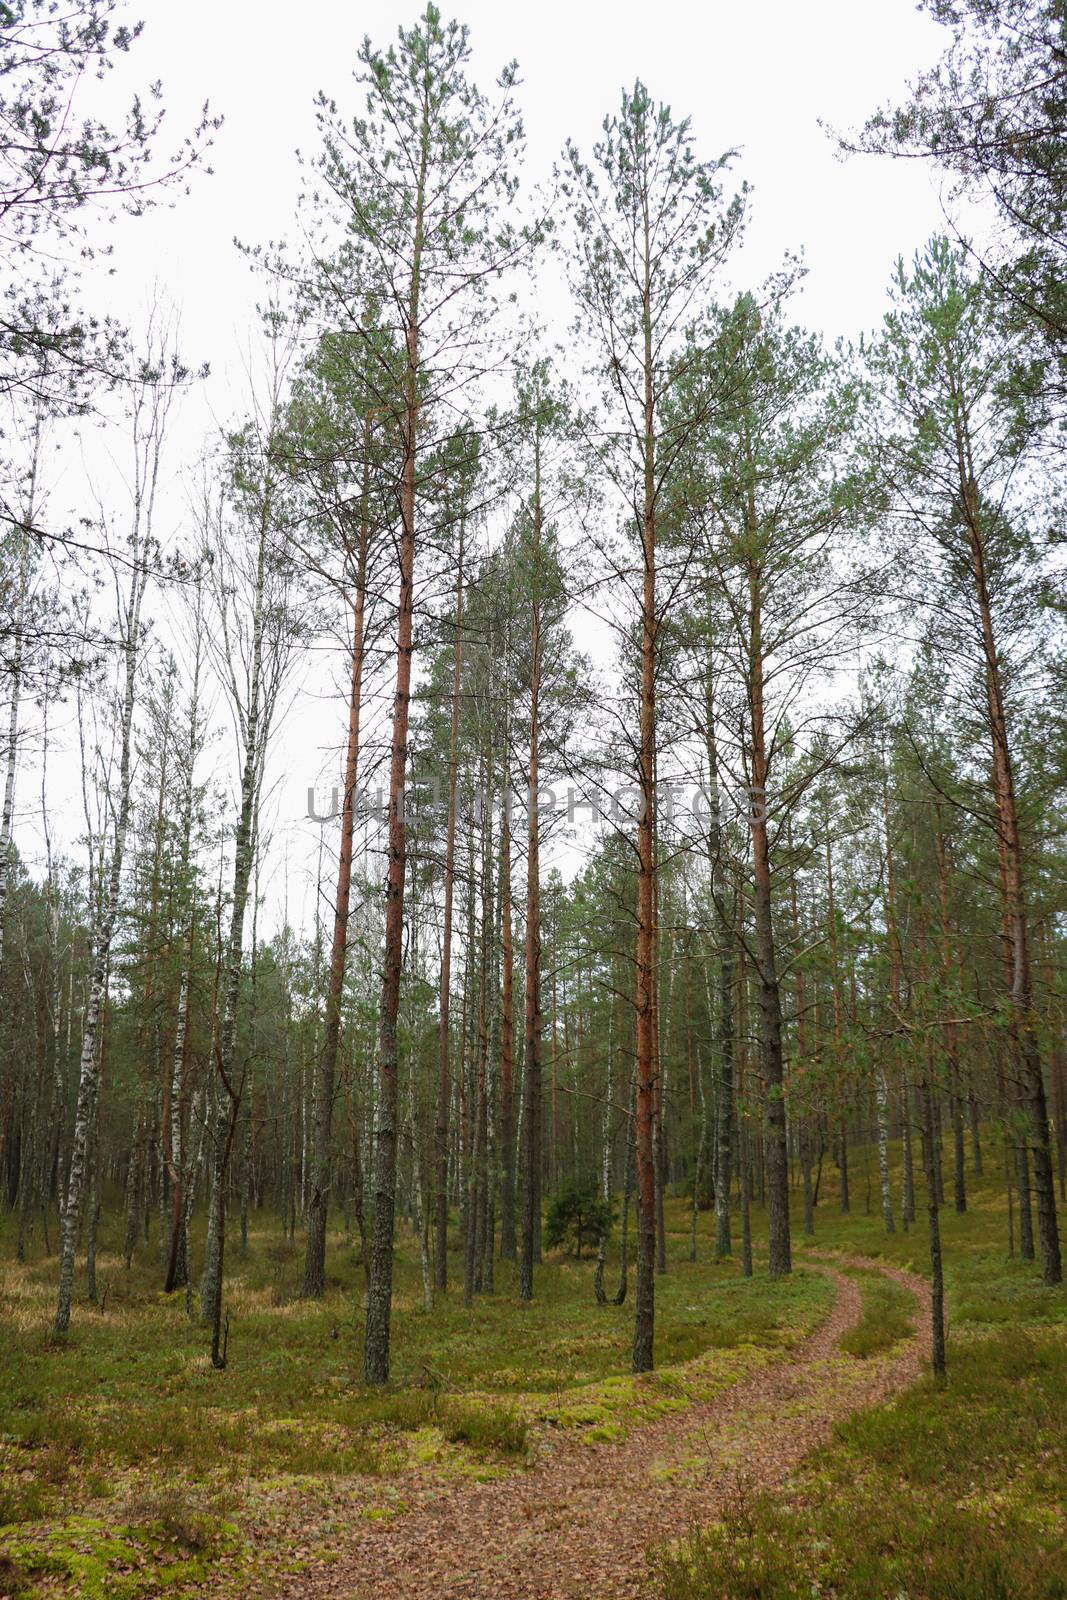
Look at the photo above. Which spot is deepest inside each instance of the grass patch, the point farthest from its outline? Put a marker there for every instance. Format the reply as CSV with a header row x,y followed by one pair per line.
x,y
123,1440
887,1317
949,1494
485,1428
14,1580
113,1444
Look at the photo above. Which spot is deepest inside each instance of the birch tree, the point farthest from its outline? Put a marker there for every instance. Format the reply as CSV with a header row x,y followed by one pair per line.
x,y
131,569
253,640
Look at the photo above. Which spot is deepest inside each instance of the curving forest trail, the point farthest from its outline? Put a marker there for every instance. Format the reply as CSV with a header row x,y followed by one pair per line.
x,y
575,1526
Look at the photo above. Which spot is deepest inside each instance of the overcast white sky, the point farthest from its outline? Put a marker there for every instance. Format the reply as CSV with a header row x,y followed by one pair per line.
x,y
757,76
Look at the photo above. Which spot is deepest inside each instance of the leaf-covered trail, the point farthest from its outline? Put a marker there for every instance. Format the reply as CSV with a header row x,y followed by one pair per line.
x,y
577,1524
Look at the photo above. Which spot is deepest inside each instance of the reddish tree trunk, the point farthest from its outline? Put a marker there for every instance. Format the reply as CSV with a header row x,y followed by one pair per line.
x,y
532,1062
444,1087
318,1200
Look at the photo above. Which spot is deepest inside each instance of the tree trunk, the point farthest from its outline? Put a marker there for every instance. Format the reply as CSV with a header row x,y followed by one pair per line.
x,y
228,1090
907,1198
645,954
779,1253
380,1284
746,1207
318,1196
937,1298
1023,1030
508,1249
101,953
531,1077
444,1088
14,672
477,1170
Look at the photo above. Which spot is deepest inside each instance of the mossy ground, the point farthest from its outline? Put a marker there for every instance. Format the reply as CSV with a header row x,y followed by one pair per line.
x,y
950,1492
129,1467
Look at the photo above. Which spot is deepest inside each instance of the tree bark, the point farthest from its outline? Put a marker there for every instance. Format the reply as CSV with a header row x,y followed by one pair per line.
x,y
645,954
770,1003
11,753
508,1249
444,1087
1023,1030
531,1078
380,1283
101,951
477,1170
318,1197
937,1297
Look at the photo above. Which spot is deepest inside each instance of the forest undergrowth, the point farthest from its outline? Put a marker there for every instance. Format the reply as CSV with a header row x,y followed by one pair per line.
x,y
131,1468
955,1490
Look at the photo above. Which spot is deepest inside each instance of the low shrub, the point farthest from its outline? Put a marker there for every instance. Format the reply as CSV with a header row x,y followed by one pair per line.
x,y
949,1493
485,1428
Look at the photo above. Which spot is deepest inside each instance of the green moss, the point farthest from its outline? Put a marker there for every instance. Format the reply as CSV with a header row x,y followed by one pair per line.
x,y
606,1432
948,1492
954,1493
172,1553
132,1400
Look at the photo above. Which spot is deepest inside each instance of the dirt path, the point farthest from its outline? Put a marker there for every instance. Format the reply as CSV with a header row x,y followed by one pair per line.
x,y
575,1526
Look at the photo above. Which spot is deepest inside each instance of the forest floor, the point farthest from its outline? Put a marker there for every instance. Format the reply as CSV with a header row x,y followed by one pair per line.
x,y
515,1455
576,1525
